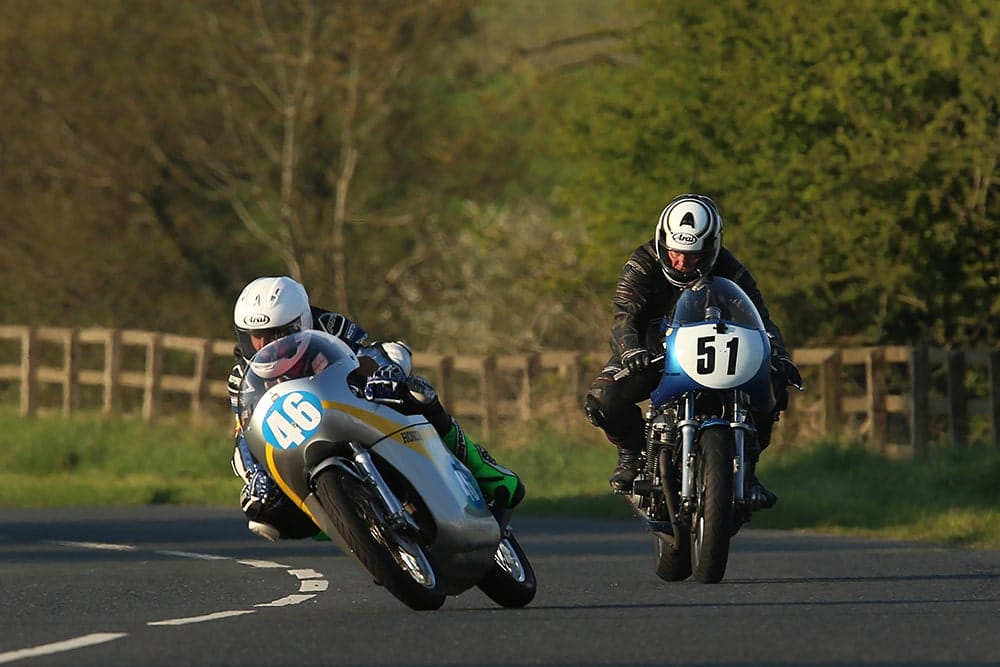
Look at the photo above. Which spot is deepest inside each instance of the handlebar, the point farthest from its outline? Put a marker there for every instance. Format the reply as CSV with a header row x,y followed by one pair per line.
x,y
624,373
386,401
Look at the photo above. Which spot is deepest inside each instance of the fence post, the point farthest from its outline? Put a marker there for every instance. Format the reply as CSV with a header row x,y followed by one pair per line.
x,y
112,369
532,365
958,414
201,363
830,380
71,389
29,372
995,396
919,400
446,369
488,395
875,379
154,368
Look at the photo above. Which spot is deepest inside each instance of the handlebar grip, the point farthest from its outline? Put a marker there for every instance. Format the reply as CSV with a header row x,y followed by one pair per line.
x,y
624,373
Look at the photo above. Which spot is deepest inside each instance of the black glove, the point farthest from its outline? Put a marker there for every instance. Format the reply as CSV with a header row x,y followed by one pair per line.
x,y
785,368
259,493
385,382
636,360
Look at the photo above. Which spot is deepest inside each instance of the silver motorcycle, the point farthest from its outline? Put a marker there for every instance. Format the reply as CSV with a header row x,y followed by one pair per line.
x,y
380,483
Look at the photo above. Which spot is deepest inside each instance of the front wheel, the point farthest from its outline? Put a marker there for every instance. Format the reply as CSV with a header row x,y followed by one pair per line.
x,y
394,559
712,523
510,581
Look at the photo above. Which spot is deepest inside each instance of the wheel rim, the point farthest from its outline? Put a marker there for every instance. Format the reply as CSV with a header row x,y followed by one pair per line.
x,y
698,534
407,554
506,557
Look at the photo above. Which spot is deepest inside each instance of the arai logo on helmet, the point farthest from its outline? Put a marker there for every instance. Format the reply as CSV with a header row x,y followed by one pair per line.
x,y
684,238
257,319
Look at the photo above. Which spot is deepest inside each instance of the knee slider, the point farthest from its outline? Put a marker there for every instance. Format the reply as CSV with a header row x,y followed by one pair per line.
x,y
595,414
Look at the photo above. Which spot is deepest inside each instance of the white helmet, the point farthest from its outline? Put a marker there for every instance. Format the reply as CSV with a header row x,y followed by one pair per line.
x,y
689,224
267,309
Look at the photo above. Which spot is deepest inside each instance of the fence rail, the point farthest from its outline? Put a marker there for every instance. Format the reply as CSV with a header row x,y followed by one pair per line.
x,y
899,399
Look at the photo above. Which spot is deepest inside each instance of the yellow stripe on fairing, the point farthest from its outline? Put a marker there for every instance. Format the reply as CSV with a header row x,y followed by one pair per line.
x,y
385,425
285,487
375,421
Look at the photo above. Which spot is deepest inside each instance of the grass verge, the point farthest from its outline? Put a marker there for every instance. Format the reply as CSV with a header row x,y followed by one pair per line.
x,y
953,497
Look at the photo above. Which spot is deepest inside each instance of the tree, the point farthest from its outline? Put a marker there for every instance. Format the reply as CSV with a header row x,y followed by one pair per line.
x,y
847,143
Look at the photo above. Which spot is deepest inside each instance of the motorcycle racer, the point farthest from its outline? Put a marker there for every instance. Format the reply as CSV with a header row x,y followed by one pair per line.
x,y
687,246
269,308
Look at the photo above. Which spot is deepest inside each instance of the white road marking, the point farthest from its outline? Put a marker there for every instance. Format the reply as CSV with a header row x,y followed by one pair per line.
x,y
310,583
314,586
59,647
188,554
305,574
93,545
262,563
201,619
286,601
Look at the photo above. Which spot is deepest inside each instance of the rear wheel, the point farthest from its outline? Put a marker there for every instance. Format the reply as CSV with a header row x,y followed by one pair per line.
x,y
393,558
712,523
510,581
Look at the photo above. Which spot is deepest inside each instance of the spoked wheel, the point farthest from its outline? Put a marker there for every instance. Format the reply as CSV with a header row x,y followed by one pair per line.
x,y
393,558
510,581
673,556
713,517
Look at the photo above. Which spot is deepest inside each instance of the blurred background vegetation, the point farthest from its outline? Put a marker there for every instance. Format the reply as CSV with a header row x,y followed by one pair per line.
x,y
471,175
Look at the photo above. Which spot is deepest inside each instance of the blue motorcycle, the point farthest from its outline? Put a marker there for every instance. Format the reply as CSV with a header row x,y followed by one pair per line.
x,y
694,485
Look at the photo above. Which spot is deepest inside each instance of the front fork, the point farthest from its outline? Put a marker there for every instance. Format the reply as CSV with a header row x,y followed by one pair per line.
x,y
689,426
398,517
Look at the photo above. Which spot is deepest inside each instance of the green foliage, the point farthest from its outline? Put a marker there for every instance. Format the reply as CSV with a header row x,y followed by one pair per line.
x,y
846,143
471,176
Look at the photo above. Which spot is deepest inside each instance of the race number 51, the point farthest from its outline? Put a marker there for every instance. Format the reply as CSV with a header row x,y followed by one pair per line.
x,y
709,351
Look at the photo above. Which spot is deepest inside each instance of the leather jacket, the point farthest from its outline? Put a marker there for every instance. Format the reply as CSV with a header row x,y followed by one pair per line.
x,y
643,297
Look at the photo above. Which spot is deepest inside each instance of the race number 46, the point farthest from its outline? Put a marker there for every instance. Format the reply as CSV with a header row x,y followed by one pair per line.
x,y
292,420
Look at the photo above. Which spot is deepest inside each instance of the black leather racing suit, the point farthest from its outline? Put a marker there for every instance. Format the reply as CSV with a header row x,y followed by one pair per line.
x,y
643,297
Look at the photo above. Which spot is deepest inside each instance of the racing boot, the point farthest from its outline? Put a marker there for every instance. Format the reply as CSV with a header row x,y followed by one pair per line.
x,y
760,496
625,471
501,486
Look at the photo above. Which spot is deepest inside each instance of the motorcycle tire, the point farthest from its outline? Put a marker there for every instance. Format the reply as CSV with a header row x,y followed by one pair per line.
x,y
712,523
395,561
510,581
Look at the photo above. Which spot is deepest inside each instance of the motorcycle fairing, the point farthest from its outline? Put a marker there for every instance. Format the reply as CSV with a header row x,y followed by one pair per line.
x,y
715,340
707,356
297,423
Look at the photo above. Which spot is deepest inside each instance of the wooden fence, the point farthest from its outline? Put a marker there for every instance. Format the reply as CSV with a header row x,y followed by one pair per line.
x,y
900,400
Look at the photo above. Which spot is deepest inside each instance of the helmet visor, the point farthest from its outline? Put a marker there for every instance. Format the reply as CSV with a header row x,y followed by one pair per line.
x,y
250,341
683,261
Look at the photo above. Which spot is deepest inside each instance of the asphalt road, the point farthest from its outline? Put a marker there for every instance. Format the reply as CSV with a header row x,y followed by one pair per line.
x,y
187,586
